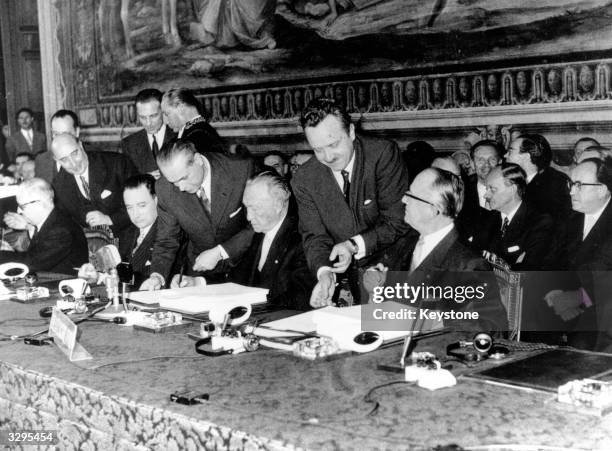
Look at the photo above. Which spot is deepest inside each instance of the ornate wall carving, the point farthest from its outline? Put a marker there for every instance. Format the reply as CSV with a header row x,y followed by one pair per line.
x,y
531,85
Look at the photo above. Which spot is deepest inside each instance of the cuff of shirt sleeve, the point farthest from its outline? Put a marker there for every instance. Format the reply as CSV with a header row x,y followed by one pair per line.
x,y
361,245
325,268
200,281
224,255
158,276
585,300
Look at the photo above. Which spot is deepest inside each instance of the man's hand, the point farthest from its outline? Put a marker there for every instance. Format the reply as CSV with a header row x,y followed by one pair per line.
x,y
344,251
187,281
97,218
4,246
323,291
566,304
374,277
154,282
207,260
15,221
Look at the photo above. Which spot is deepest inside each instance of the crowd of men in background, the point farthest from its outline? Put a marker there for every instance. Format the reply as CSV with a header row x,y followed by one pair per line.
x,y
350,213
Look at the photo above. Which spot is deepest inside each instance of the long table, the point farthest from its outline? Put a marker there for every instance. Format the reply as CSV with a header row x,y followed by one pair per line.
x,y
265,399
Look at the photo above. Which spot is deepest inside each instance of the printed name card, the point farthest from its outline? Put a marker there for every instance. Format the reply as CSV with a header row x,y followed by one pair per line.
x,y
65,336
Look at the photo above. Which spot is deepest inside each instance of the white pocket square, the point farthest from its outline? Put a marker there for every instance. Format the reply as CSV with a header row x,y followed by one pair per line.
x,y
235,213
148,263
367,202
513,249
105,194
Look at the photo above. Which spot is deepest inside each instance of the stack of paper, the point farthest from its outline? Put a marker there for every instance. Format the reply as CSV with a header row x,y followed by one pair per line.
x,y
196,300
343,324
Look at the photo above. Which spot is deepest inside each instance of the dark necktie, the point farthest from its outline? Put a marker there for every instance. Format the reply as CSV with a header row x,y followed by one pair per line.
x,y
504,226
346,188
204,200
85,187
154,147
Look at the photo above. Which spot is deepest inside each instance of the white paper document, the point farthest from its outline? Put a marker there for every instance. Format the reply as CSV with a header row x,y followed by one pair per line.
x,y
196,300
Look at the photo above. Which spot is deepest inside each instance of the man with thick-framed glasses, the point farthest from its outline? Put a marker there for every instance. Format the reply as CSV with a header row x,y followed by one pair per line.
x,y
57,243
432,255
583,298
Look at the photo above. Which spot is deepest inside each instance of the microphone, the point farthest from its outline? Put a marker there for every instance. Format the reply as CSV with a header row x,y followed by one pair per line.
x,y
125,271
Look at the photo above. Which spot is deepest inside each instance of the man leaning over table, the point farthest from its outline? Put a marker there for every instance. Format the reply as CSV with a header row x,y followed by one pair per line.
x,y
199,197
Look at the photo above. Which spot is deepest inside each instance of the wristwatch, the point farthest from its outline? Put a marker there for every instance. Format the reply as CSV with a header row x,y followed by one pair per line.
x,y
355,245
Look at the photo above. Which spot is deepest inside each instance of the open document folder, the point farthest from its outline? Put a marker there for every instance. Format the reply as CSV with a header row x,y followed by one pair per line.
x,y
196,300
343,324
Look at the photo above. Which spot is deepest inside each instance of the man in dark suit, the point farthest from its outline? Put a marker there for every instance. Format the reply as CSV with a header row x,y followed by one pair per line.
x,y
136,247
348,197
516,231
434,256
486,155
275,259
57,243
26,139
182,112
584,295
201,197
62,121
546,187
89,185
142,147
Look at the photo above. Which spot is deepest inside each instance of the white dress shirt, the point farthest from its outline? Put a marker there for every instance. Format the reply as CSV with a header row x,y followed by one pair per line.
x,y
79,183
340,181
28,135
141,236
159,137
591,219
267,242
511,214
426,245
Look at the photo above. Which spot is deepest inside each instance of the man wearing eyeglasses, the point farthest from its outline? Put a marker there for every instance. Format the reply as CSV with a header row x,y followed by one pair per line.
x,y
348,198
89,185
57,243
434,255
584,297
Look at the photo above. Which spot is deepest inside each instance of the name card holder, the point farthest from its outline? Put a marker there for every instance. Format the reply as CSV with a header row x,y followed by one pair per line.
x,y
65,336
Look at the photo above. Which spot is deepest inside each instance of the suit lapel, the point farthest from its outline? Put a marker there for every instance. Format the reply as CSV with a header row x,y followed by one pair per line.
x,y
140,253
358,169
96,177
222,185
436,257
255,253
278,246
516,225
594,238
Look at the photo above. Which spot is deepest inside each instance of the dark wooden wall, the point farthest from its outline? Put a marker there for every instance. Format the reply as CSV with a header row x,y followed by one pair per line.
x,y
21,60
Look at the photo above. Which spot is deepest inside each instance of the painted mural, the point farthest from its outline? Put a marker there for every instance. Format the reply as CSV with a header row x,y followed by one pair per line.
x,y
214,45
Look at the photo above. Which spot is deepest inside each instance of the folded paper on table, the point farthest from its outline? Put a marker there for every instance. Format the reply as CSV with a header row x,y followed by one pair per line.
x,y
195,300
343,324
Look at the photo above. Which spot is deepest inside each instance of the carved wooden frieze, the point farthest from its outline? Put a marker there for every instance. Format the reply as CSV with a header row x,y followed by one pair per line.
x,y
545,84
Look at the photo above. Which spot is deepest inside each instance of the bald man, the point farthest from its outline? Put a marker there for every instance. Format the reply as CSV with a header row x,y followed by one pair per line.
x,y
89,185
57,243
